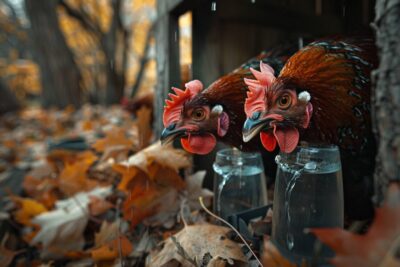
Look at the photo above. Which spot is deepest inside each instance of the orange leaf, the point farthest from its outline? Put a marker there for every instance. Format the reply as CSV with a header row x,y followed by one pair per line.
x,y
165,176
115,137
372,248
113,249
43,190
131,176
271,257
73,178
140,204
28,208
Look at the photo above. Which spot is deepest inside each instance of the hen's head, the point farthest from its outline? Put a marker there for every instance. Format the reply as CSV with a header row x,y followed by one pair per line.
x,y
276,110
197,123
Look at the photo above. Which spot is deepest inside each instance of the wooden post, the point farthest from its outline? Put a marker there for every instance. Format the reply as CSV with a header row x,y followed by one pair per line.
x,y
167,53
386,98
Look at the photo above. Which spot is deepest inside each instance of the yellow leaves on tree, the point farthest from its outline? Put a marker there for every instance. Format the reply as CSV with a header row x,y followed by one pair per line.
x,y
114,137
375,248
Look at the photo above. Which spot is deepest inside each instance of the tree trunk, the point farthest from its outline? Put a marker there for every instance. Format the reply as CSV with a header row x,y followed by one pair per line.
x,y
60,75
8,101
386,99
114,44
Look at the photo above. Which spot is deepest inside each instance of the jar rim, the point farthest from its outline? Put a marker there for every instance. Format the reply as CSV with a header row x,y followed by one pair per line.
x,y
229,152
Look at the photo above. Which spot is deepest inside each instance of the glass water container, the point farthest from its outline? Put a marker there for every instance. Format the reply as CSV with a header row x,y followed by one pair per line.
x,y
308,194
239,182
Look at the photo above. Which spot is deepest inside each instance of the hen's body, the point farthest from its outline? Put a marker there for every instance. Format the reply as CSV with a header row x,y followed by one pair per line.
x,y
335,75
229,92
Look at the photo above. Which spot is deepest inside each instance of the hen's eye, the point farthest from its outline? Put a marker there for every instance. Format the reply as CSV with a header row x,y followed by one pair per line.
x,y
198,114
285,101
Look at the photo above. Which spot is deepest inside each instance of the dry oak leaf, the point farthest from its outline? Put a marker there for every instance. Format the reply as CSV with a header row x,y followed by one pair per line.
x,y
114,137
165,155
98,206
194,190
155,162
28,209
131,176
141,203
271,257
109,231
200,242
165,176
62,229
120,245
376,247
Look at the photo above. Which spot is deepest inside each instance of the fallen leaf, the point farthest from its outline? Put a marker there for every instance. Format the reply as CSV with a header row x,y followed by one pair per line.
x,y
114,137
140,204
28,209
43,190
121,246
131,176
143,123
62,229
109,231
194,190
165,155
7,256
199,242
371,249
98,206
73,177
271,257
165,176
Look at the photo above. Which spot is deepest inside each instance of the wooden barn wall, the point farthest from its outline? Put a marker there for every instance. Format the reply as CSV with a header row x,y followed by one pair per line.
x,y
240,29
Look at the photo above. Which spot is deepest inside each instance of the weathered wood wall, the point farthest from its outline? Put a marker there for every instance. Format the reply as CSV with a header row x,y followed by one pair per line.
x,y
237,30
387,95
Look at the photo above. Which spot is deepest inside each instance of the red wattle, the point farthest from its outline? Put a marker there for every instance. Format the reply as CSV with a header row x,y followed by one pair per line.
x,y
287,138
199,144
268,141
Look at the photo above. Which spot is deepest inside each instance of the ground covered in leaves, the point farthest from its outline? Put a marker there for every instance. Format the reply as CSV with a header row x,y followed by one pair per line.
x,y
92,188
87,187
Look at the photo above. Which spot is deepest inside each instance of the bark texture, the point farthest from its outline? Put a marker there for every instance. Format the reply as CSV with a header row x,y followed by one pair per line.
x,y
386,99
8,101
60,75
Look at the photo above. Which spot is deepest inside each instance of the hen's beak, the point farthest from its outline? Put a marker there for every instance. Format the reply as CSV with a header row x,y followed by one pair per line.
x,y
169,134
252,127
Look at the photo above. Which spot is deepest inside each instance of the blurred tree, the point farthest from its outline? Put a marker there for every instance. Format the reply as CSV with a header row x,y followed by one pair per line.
x,y
60,75
8,101
106,22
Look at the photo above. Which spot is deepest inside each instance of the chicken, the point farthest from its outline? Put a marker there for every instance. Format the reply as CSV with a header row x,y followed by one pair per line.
x,y
202,117
322,95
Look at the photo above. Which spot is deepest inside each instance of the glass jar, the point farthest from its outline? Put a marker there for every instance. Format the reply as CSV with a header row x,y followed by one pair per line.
x,y
239,182
308,194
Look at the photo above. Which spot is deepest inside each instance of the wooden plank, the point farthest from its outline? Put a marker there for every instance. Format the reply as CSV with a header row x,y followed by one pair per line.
x,y
265,13
167,54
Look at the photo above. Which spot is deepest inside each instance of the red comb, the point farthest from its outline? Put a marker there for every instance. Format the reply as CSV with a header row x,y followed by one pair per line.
x,y
173,107
255,100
